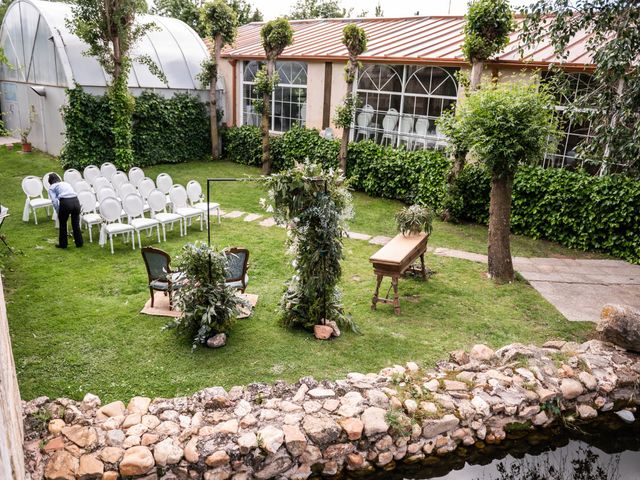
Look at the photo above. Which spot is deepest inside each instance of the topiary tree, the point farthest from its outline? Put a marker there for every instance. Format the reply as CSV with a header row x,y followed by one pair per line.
x,y
486,33
355,39
504,126
111,31
220,24
314,204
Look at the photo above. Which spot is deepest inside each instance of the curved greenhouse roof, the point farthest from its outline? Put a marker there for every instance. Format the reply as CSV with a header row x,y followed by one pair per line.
x,y
42,50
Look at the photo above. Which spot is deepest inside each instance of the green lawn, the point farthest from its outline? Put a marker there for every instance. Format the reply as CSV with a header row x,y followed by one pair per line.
x,y
75,324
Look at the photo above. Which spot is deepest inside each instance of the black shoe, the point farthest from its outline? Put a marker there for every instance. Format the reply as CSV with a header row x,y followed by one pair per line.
x,y
59,246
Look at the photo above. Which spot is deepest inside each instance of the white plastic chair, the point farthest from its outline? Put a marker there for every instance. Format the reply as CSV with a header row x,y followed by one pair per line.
x,y
118,179
178,197
389,123
71,176
32,188
90,172
126,189
194,192
108,169
405,130
145,186
99,183
158,207
422,130
110,210
134,207
136,175
363,120
88,216
82,186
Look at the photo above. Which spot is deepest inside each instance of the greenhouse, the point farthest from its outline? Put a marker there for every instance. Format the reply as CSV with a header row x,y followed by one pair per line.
x,y
45,58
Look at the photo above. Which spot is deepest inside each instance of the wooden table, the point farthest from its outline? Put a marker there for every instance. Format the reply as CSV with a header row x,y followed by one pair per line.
x,y
393,260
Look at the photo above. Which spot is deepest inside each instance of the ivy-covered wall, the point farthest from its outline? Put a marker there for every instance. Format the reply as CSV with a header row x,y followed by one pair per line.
x,y
165,130
574,209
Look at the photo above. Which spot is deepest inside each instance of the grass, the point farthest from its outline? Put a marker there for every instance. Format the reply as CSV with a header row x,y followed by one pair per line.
x,y
76,328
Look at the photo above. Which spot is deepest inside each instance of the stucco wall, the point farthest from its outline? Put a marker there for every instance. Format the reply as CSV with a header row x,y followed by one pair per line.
x,y
315,94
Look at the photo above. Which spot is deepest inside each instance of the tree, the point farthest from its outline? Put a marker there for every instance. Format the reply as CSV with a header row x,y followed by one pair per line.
x,y
613,103
276,36
486,33
305,9
111,31
186,10
355,39
378,11
503,126
245,12
220,25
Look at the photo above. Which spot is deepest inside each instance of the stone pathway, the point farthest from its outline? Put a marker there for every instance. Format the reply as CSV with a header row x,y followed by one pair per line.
x,y
9,141
577,288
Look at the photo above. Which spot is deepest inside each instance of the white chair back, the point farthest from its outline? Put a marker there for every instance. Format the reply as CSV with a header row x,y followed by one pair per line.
x,y
178,196
422,126
145,187
72,176
133,205
389,122
405,129
363,119
81,186
118,179
157,201
194,191
32,186
87,201
106,192
110,209
90,172
126,189
164,182
100,183
45,181
136,175
108,169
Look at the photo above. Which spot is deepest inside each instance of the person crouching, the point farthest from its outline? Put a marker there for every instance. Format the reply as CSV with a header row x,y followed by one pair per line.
x,y
66,203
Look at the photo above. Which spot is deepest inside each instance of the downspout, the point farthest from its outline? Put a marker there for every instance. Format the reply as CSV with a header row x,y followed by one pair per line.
x,y
234,95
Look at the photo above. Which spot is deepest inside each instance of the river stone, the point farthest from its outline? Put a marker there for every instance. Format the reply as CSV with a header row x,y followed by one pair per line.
x,y
434,427
217,459
191,453
61,466
136,461
481,353
353,427
90,467
374,420
626,416
113,409
167,453
139,405
84,437
481,406
90,401
588,380
111,454
242,408
294,440
272,438
322,332
620,325
321,393
217,341
56,425
247,442
586,412
571,388
321,430
115,438
377,398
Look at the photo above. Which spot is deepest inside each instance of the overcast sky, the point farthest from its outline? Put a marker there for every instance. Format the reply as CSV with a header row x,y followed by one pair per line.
x,y
391,8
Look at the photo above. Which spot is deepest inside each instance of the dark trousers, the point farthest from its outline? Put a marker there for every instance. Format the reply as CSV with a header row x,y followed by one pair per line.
x,y
69,207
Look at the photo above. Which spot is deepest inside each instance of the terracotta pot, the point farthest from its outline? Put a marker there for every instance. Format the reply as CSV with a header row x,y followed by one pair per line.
x,y
26,147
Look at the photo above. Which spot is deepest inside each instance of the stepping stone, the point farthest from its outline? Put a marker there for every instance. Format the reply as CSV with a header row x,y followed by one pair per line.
x,y
251,217
268,222
447,252
379,240
234,214
358,236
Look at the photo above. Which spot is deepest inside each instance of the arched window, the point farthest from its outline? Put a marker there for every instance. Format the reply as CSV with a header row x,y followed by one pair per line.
x,y
289,99
400,103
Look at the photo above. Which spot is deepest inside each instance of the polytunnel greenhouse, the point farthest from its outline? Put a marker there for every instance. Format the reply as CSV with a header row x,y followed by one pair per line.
x,y
45,58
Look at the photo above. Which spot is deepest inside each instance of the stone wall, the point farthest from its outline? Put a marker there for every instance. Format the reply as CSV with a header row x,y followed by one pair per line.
x,y
11,438
357,424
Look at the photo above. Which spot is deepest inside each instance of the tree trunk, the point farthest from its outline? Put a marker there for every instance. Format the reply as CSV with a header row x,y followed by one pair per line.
x,y
476,75
346,131
264,124
213,80
500,264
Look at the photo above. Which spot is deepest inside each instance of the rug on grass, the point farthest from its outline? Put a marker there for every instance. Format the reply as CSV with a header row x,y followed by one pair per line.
x,y
161,306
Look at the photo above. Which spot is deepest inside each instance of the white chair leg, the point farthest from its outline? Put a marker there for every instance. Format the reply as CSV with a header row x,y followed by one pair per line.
x,y
139,241
164,232
111,242
35,215
218,215
90,229
158,229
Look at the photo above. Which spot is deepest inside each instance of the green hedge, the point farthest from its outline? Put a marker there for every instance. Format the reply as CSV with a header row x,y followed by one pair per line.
x,y
165,130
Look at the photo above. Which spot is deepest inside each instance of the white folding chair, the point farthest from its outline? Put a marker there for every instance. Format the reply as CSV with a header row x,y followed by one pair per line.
x,y
82,186
194,192
164,182
72,176
178,197
118,179
88,215
126,189
389,123
110,209
90,172
32,188
99,183
158,207
136,175
134,207
108,169
405,130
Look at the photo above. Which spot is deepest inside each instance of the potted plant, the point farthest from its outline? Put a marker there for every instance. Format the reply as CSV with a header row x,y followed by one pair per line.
x,y
23,133
414,219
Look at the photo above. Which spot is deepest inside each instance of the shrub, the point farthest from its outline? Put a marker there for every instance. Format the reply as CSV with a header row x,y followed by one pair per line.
x,y
208,306
414,219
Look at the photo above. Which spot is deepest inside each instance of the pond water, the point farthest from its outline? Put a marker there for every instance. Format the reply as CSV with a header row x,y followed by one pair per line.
x,y
607,449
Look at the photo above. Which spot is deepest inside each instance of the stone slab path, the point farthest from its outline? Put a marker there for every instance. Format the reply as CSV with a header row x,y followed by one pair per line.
x,y
9,140
577,288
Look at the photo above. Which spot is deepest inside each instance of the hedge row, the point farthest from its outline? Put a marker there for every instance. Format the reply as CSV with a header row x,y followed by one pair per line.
x,y
574,209
165,130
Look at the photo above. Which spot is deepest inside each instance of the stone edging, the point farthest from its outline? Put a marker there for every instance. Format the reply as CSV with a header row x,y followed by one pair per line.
x,y
356,424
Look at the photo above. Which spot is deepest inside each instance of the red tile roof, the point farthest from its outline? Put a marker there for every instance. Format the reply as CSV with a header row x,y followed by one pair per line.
x,y
434,40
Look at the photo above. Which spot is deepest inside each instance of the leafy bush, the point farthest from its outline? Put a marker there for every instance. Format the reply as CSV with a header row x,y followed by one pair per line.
x,y
165,130
414,219
208,306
